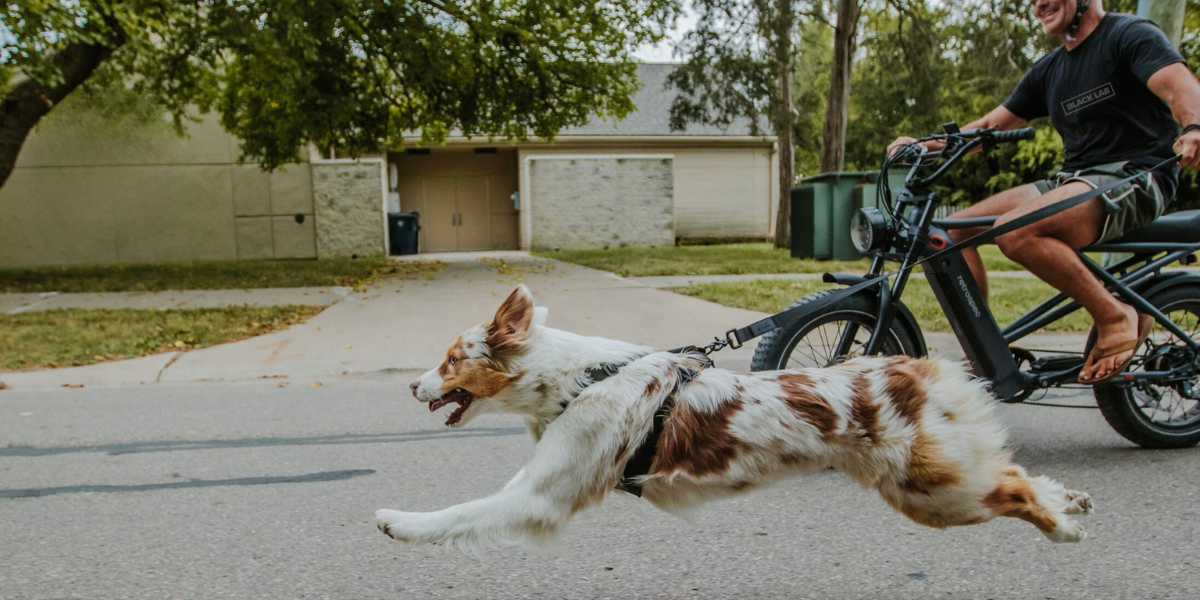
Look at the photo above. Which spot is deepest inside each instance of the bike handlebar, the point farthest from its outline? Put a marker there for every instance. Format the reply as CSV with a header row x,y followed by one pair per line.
x,y
957,145
1015,135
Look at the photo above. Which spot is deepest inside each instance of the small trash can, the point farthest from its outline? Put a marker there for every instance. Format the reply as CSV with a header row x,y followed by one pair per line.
x,y
402,232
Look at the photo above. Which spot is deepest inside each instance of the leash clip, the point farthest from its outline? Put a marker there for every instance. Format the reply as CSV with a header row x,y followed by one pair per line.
x,y
731,340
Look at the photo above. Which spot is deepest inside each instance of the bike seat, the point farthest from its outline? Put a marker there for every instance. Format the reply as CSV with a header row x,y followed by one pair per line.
x,y
1182,227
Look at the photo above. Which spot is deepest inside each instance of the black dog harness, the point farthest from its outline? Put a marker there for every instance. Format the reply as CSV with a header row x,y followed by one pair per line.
x,y
639,464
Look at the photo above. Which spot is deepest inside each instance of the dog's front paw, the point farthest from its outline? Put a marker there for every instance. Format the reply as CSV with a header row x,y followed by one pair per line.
x,y
391,523
1068,532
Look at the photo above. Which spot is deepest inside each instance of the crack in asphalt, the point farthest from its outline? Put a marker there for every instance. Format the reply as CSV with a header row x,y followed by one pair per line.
x,y
321,440
190,483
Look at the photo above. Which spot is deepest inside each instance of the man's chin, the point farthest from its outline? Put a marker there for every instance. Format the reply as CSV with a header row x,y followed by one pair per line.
x,y
1055,27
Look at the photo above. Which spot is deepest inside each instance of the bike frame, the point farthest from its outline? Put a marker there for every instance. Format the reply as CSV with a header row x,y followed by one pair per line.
x,y
985,343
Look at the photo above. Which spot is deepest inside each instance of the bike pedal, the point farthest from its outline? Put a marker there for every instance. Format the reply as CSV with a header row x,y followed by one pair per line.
x,y
1060,362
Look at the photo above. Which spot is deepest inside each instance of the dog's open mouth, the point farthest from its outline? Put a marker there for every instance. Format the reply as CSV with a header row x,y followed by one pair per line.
x,y
459,395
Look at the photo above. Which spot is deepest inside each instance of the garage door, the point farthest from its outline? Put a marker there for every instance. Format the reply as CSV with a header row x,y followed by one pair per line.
x,y
464,198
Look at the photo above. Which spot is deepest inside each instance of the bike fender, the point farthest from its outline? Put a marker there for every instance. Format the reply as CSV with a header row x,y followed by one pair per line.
x,y
1163,281
906,317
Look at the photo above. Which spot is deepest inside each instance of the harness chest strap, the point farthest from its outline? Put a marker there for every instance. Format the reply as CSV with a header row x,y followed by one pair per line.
x,y
643,458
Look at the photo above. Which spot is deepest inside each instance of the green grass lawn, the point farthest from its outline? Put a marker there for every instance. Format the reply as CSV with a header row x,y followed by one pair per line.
x,y
1010,298
208,275
72,337
725,259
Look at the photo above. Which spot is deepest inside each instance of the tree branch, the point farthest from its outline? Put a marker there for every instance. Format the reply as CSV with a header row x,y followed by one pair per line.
x,y
31,100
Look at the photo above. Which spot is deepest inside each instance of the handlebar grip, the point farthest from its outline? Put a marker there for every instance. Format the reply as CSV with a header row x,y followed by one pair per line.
x,y
1015,135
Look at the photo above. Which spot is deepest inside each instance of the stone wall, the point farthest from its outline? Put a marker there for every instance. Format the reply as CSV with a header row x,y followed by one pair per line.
x,y
581,203
348,200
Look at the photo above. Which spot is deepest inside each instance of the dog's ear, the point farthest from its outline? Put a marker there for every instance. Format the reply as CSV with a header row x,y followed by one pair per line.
x,y
511,323
540,314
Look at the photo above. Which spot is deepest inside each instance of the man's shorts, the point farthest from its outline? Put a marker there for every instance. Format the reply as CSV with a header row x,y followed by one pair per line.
x,y
1130,206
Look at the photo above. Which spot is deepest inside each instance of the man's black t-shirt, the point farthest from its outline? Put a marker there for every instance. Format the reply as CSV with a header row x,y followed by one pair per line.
x,y
1097,98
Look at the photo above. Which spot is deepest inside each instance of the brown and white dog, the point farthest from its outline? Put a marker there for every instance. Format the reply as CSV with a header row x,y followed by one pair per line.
x,y
920,432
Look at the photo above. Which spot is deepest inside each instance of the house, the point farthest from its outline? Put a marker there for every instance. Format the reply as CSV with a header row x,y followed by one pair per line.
x,y
86,191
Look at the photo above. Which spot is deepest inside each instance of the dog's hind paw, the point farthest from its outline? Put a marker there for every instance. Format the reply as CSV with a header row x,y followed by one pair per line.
x,y
1078,503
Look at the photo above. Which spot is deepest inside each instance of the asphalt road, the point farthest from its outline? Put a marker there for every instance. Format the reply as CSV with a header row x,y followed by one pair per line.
x,y
250,490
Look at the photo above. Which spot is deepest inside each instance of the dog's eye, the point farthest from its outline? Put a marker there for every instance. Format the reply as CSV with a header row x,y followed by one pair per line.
x,y
453,360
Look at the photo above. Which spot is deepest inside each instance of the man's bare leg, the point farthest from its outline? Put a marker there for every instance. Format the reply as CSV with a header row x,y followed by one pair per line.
x,y
1046,248
993,206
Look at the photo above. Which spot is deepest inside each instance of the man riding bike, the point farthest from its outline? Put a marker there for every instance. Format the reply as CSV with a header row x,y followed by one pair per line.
x,y
1110,90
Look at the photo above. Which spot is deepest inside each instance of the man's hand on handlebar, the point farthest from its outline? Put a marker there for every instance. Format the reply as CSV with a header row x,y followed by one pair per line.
x,y
976,139
902,141
1187,147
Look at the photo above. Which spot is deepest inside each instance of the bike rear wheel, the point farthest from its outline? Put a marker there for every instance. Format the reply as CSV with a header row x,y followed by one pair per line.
x,y
812,342
1159,416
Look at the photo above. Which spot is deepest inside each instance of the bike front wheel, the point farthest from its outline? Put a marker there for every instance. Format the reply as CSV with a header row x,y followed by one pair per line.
x,y
814,342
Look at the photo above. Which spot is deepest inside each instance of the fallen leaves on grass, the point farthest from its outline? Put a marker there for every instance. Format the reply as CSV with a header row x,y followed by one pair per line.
x,y
73,337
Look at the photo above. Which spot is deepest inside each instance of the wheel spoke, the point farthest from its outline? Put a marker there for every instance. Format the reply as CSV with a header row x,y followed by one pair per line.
x,y
1163,404
818,345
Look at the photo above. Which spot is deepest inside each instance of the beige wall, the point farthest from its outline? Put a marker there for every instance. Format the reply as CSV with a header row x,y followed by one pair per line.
x,y
720,189
88,191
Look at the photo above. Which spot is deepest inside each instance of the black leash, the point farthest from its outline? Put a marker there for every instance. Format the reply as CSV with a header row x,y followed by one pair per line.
x,y
734,338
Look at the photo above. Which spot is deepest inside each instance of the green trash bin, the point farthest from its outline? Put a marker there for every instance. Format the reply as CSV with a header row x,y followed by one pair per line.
x,y
822,207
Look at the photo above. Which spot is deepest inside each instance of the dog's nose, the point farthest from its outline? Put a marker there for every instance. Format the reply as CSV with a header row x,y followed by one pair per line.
x,y
413,386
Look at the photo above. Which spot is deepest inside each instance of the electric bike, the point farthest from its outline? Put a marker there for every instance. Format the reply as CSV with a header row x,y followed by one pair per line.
x,y
1154,403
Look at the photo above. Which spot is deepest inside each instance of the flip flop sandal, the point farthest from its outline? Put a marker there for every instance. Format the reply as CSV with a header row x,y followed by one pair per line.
x,y
1145,322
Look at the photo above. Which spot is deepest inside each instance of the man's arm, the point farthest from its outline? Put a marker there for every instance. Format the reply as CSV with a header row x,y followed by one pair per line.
x,y
1000,117
1176,85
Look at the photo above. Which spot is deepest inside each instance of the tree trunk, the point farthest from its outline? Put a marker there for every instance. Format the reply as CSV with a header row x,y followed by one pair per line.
x,y
29,101
833,150
783,121
787,169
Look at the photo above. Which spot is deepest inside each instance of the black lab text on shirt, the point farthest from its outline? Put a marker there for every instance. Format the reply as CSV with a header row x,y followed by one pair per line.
x,y
1089,98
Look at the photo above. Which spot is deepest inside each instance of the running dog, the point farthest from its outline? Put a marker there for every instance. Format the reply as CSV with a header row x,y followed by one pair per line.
x,y
920,432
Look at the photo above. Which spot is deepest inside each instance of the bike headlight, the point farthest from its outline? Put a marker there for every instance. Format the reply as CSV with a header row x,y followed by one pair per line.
x,y
868,229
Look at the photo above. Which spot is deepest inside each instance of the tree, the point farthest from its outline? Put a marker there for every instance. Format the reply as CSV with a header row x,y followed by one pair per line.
x,y
740,60
356,74
845,35
923,65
